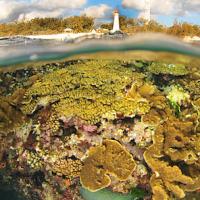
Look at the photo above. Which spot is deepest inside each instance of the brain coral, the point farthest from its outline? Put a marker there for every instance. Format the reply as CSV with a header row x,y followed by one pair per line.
x,y
110,158
88,91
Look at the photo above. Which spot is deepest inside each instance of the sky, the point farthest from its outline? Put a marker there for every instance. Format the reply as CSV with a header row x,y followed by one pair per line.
x,y
163,11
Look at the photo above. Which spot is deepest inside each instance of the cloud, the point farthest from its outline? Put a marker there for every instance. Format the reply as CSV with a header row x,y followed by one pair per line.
x,y
40,14
20,9
165,7
56,4
98,11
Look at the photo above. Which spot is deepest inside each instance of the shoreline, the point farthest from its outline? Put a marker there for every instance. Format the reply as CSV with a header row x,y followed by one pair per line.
x,y
58,37
191,39
74,36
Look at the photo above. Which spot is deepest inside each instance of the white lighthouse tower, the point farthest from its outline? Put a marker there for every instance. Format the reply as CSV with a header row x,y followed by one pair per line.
x,y
147,10
116,27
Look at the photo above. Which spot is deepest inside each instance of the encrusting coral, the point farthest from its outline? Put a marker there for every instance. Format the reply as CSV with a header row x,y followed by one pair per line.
x,y
109,159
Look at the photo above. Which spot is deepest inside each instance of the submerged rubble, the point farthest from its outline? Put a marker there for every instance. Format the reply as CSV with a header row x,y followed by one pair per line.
x,y
101,127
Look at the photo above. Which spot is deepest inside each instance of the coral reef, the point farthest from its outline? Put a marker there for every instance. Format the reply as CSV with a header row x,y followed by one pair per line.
x,y
101,129
110,158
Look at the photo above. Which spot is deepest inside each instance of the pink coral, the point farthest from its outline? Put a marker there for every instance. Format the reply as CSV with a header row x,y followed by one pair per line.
x,y
89,128
142,133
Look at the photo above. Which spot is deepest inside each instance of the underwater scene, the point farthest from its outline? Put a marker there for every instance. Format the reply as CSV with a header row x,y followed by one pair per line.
x,y
100,120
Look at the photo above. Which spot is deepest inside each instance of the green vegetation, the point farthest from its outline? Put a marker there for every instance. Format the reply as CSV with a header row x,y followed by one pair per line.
x,y
130,25
47,26
84,24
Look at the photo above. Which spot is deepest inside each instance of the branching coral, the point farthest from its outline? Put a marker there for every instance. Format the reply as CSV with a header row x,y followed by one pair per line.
x,y
80,91
110,158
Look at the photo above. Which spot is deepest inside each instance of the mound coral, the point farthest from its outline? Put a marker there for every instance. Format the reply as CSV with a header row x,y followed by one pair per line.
x,y
109,159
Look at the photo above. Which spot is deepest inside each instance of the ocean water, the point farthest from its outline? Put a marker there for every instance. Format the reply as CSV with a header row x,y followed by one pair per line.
x,y
100,119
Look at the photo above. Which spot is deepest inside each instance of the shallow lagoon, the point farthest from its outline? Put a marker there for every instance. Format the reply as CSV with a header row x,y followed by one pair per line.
x,y
110,120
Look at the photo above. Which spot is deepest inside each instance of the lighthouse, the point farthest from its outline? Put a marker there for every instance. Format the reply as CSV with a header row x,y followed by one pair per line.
x,y
147,10
116,27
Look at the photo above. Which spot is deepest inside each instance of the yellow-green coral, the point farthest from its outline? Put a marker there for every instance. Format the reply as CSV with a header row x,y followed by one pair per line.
x,y
109,159
34,160
68,167
87,91
164,68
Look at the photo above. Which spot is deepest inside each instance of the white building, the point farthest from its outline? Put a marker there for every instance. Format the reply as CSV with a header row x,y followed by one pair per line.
x,y
116,27
68,30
